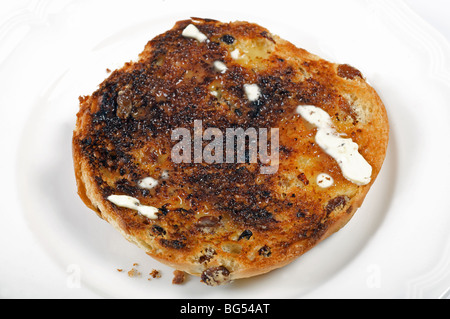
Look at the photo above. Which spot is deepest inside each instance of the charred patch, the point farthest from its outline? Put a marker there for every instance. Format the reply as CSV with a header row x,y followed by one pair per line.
x,y
259,218
158,230
173,244
127,187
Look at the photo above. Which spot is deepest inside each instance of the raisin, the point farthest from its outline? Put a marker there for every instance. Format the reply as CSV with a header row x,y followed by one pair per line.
x,y
164,210
228,39
302,213
303,178
245,234
265,251
158,230
335,203
209,254
175,244
216,276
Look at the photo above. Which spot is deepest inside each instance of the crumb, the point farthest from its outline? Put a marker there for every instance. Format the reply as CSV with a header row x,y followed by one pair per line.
x,y
108,71
134,273
155,273
179,277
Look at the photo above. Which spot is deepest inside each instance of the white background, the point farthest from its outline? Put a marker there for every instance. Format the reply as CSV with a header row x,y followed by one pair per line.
x,y
435,12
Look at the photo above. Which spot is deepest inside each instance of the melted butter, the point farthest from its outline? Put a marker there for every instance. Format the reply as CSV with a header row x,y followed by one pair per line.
x,y
148,183
236,54
133,203
353,165
191,31
252,91
219,66
324,180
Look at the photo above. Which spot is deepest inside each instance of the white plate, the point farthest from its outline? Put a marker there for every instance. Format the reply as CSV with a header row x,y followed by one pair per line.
x,y
397,245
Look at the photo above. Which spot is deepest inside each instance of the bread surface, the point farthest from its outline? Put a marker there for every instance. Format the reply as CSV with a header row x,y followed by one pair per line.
x,y
224,221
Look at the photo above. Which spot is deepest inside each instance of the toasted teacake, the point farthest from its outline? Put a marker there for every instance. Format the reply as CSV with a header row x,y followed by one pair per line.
x,y
218,219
